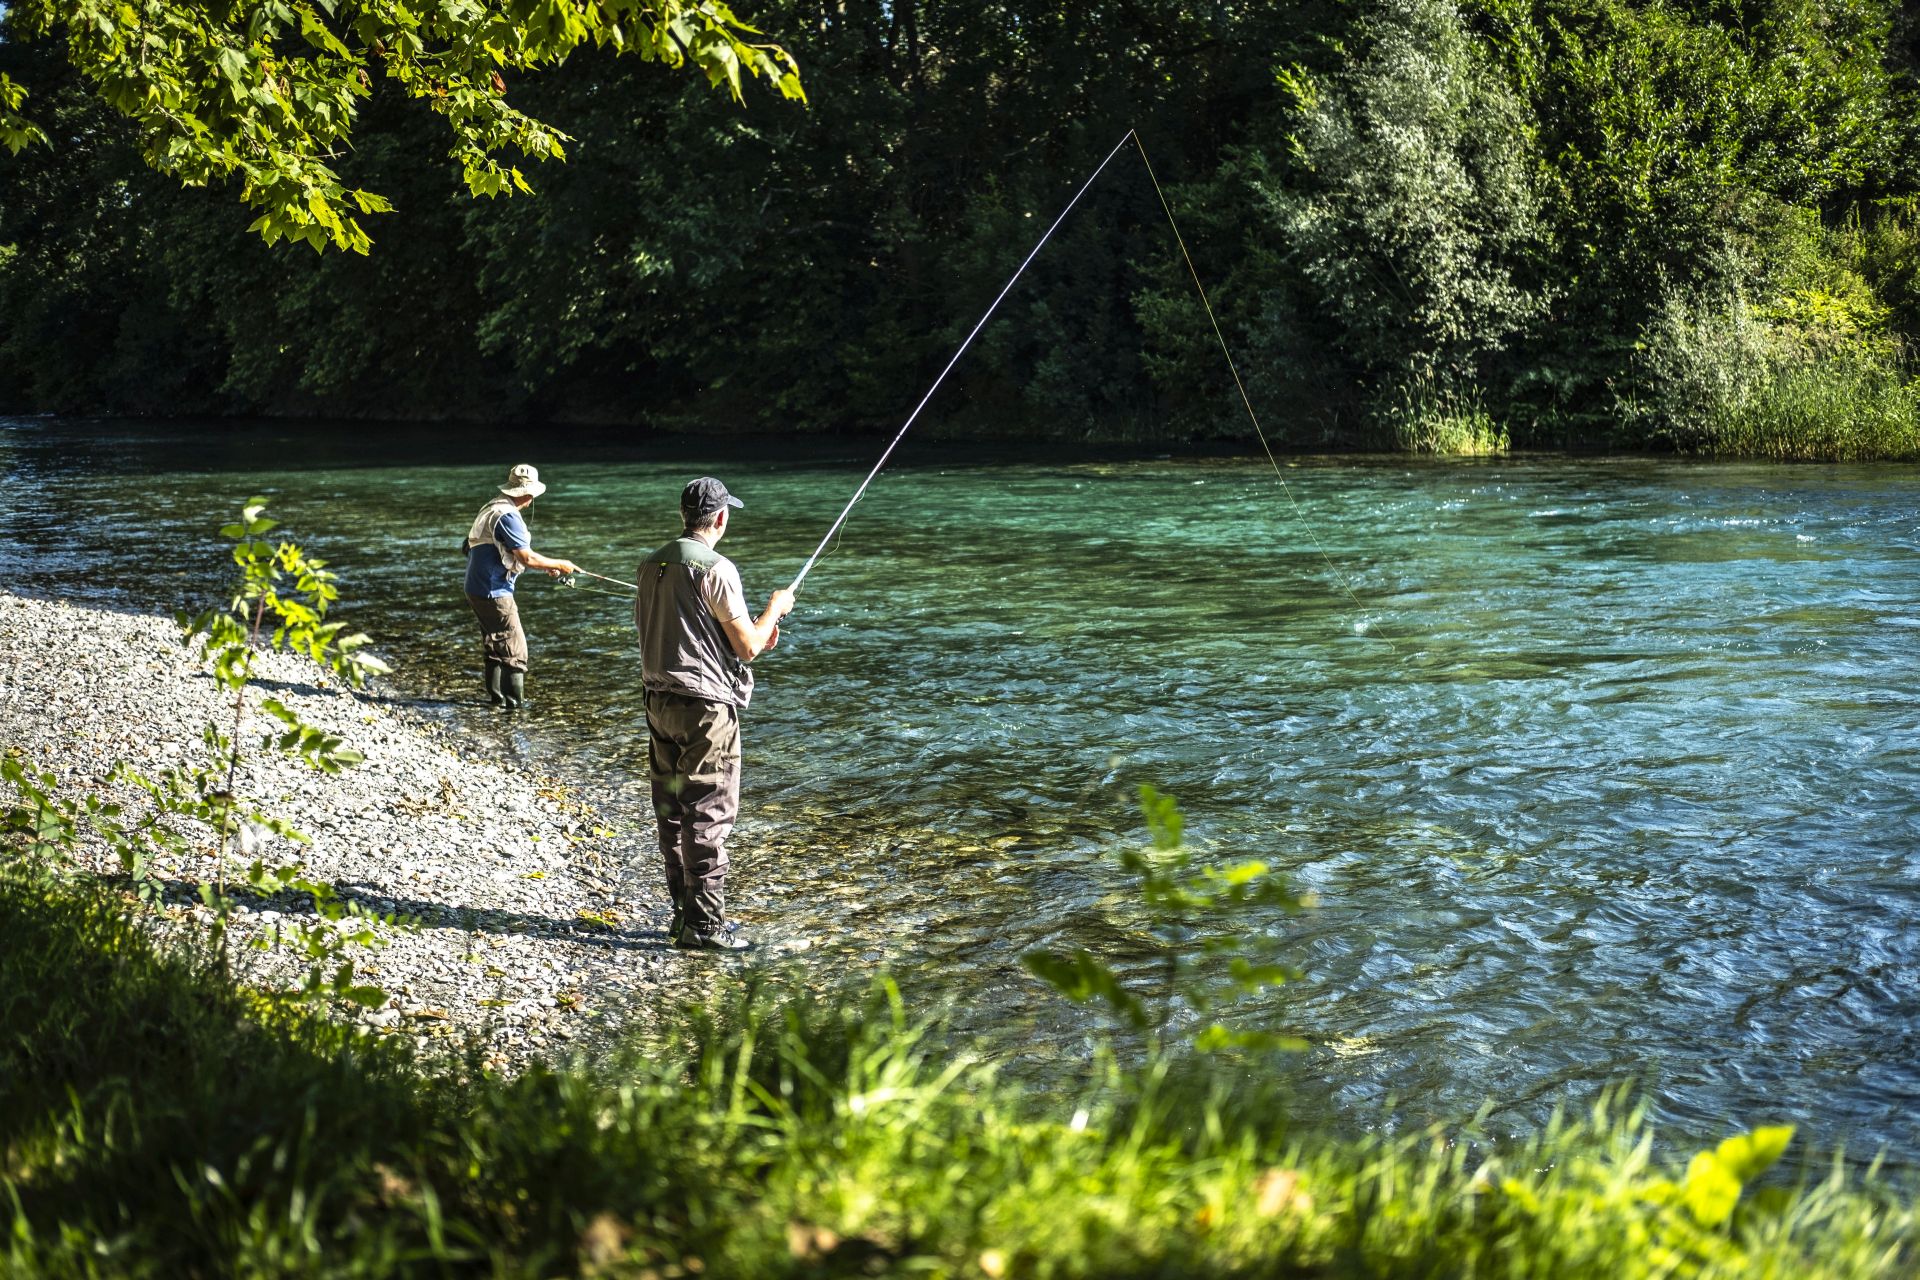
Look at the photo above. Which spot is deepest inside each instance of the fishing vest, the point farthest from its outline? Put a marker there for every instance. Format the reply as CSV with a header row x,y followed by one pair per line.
x,y
486,529
683,649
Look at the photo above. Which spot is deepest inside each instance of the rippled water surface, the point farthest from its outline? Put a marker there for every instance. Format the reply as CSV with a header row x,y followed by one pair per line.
x,y
1605,770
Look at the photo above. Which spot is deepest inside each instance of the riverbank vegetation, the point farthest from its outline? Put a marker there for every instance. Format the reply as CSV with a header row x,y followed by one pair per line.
x,y
158,1121
1675,225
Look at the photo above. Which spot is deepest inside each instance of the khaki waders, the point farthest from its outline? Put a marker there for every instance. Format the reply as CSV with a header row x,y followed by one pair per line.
x,y
503,647
694,768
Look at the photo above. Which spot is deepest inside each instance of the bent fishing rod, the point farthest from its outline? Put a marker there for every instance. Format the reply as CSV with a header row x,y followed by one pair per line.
x,y
980,324
807,568
1133,136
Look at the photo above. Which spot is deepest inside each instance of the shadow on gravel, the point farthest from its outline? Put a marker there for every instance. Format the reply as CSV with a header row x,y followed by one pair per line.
x,y
307,689
438,915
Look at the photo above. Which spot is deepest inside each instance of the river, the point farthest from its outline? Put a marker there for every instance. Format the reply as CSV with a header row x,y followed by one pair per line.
x,y
1599,769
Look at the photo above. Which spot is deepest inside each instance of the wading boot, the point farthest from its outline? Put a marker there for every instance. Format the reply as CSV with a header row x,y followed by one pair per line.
x,y
516,690
495,680
677,925
726,939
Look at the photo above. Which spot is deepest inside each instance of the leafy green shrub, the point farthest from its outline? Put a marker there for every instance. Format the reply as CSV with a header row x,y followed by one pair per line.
x,y
1883,245
280,601
1213,936
1414,203
1803,380
157,1122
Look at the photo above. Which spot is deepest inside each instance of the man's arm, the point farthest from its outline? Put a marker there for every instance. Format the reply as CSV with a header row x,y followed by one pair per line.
x,y
511,534
531,559
752,637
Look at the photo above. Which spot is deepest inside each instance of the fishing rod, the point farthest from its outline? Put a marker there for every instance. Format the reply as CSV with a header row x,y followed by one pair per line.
x,y
1133,136
807,568
588,573
567,580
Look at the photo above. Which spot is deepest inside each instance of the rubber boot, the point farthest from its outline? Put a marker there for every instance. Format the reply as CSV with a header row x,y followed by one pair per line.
x,y
495,678
516,690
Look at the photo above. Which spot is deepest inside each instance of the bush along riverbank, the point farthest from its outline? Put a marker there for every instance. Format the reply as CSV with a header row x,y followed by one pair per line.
x,y
159,1121
166,1109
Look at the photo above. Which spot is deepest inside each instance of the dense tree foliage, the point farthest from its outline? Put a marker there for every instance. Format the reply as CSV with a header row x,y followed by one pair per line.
x,y
1600,221
268,91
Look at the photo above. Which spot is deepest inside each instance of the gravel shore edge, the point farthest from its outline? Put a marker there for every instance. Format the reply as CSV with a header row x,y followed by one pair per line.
x,y
532,934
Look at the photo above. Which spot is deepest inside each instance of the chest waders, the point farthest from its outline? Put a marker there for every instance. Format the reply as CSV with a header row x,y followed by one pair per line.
x,y
503,643
696,687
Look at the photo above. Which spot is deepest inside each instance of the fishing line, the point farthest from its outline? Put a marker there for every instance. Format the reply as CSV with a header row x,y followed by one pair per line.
x,y
1241,386
981,324
1132,135
1488,833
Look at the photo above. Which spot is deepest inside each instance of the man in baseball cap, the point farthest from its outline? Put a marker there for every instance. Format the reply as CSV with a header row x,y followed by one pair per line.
x,y
498,548
703,498
696,639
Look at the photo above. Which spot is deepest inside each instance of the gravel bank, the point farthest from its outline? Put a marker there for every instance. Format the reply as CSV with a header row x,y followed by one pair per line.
x,y
536,929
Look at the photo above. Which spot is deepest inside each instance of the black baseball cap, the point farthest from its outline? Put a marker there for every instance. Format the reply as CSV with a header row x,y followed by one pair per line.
x,y
702,497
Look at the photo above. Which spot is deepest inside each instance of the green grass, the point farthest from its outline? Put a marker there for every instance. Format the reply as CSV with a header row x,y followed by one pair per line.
x,y
1826,411
1804,380
155,1121
1447,424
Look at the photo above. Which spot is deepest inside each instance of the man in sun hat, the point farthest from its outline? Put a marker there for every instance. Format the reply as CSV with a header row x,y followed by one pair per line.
x,y
498,549
696,639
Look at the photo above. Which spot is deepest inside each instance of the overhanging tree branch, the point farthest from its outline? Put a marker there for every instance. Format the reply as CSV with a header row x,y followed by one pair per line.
x,y
268,91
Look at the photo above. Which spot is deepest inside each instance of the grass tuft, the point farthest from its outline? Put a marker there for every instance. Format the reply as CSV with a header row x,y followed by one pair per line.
x,y
156,1121
1434,420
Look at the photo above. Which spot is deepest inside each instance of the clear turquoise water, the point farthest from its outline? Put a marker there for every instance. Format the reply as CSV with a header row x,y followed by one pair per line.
x,y
1609,773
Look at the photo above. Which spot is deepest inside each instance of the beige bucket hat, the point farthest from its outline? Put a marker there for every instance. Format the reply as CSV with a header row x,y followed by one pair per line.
x,y
523,482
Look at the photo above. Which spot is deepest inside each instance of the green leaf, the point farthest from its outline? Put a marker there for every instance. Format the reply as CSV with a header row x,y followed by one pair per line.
x,y
1242,873
1163,817
1253,977
1217,1038
1748,1155
233,65
1081,978
1710,1191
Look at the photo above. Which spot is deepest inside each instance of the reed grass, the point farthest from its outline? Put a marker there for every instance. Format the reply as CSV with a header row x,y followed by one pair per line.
x,y
1829,411
157,1121
1434,420
1799,381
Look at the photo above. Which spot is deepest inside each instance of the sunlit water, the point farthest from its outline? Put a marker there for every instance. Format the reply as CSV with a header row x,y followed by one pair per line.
x,y
1604,770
